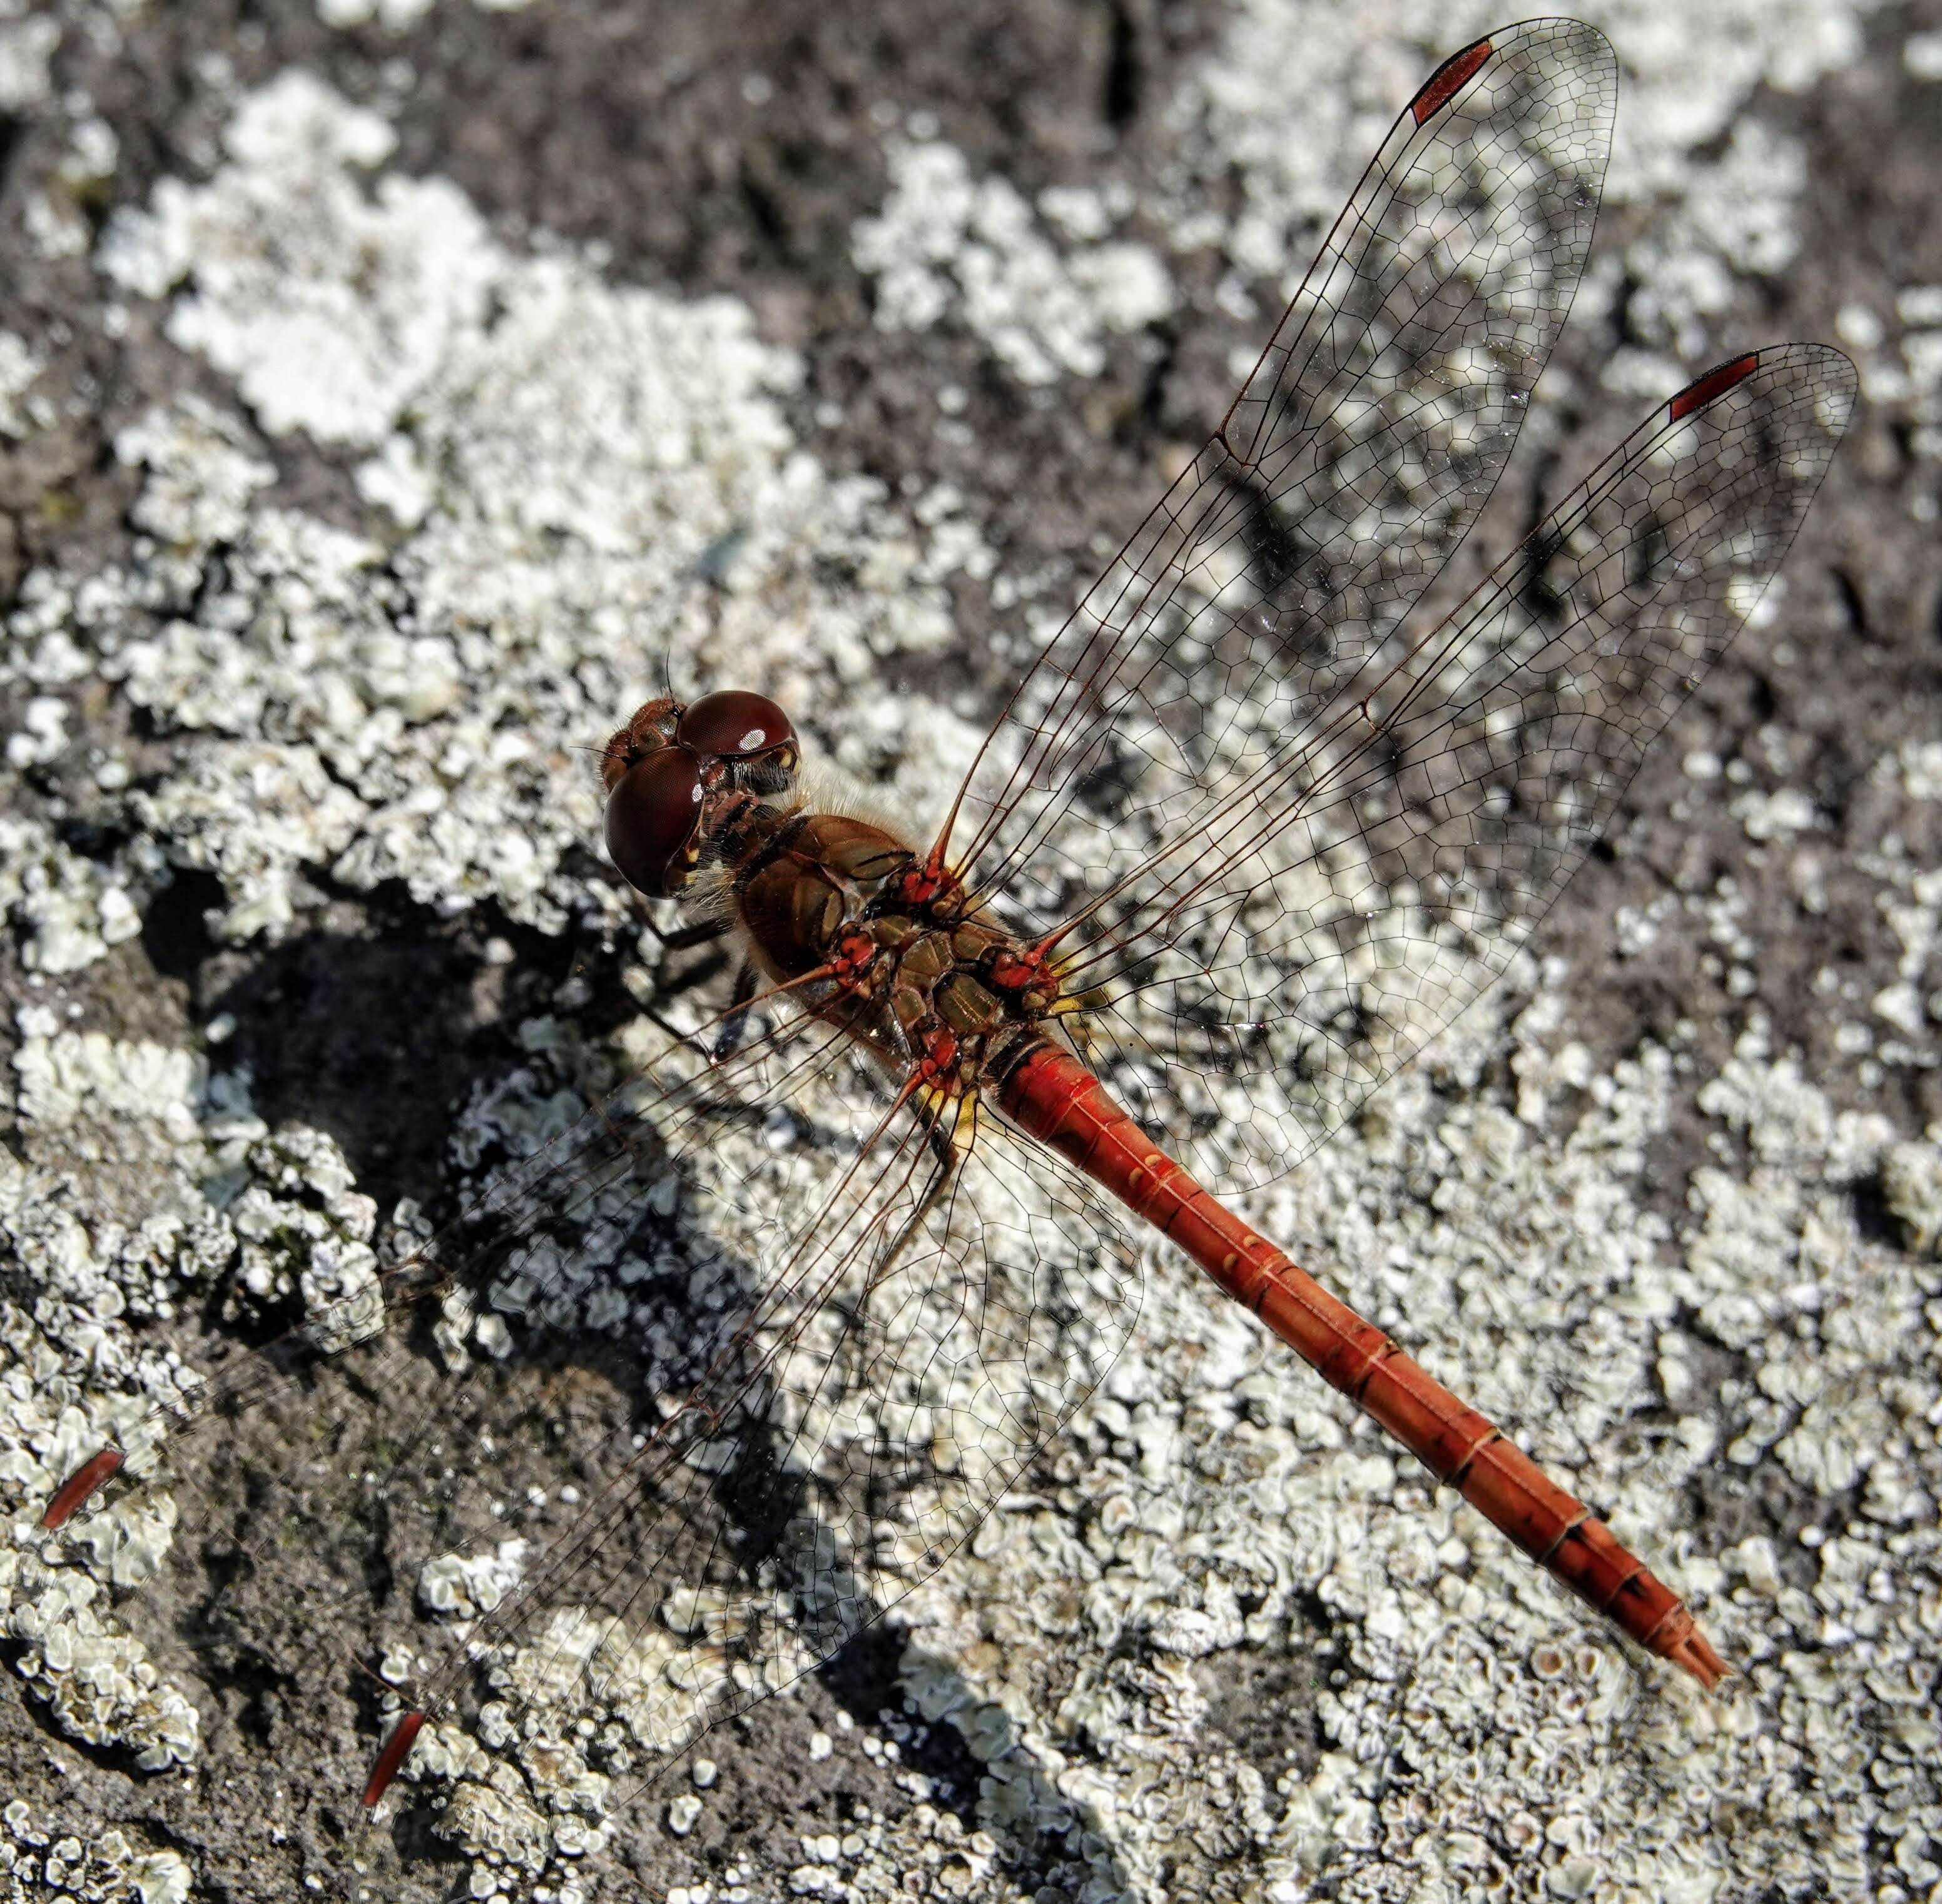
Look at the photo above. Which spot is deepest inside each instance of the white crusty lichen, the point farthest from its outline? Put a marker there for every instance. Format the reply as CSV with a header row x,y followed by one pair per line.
x,y
105,1868
20,365
1912,1185
310,350
946,243
571,489
69,910
398,16
27,42
137,1190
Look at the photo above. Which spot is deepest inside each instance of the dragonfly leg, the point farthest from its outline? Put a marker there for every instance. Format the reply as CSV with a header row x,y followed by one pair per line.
x,y
735,1025
949,1137
686,939
707,932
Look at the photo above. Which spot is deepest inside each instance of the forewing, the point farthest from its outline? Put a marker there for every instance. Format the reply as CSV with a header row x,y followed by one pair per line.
x,y
1351,465
942,1325
1376,867
316,1514
723,1370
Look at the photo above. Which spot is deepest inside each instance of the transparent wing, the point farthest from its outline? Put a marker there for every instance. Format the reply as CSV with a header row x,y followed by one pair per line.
x,y
1351,465
680,1405
940,1329
1350,881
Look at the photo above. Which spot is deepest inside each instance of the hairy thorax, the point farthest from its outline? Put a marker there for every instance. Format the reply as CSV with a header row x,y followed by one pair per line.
x,y
862,928
898,955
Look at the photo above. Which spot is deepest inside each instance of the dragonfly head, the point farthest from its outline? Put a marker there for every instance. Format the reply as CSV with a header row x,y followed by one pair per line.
x,y
673,769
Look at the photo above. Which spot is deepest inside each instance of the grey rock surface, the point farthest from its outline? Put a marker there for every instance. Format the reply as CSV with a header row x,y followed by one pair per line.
x,y
390,390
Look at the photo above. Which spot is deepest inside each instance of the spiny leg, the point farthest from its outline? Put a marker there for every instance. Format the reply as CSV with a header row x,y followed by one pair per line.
x,y
735,1024
684,939
705,931
949,1139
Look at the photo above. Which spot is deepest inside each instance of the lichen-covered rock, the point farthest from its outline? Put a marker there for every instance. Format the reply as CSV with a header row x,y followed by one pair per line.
x,y
392,396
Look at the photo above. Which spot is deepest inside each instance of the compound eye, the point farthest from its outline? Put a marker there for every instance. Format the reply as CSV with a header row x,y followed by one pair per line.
x,y
735,724
653,822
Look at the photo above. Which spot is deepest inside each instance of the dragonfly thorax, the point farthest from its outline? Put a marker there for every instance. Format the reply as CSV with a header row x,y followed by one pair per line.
x,y
888,950
868,930
801,881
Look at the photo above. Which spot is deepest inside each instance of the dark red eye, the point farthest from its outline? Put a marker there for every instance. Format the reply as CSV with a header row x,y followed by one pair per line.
x,y
734,724
654,815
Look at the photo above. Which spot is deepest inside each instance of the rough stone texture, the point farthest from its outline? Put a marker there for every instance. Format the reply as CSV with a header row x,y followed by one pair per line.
x,y
389,389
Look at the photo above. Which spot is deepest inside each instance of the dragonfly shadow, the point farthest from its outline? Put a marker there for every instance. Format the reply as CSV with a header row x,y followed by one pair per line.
x,y
342,1516
377,1039
734,1525
1052,1840
731,1523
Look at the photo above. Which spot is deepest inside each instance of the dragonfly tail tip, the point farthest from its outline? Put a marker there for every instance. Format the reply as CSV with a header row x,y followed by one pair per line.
x,y
1692,1653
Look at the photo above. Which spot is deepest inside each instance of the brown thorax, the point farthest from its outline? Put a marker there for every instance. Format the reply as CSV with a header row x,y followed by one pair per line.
x,y
869,932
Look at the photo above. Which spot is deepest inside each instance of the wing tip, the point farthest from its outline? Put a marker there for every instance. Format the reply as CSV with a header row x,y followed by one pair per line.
x,y
74,1491
1448,79
1713,385
404,1734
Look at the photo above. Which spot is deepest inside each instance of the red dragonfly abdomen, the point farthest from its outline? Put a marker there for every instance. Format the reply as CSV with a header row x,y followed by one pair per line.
x,y
1053,1096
